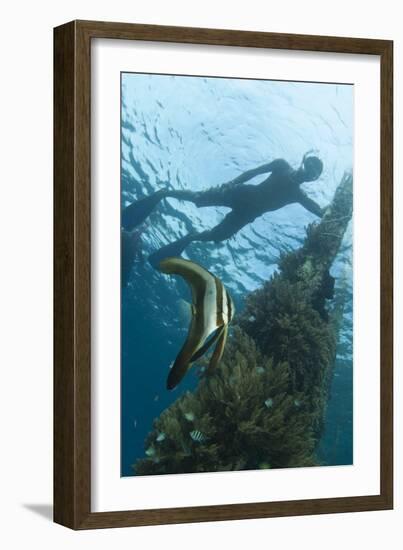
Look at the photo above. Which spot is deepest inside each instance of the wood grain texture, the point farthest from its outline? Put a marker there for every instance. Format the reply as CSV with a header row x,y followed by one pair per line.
x,y
72,328
64,379
72,274
221,37
387,273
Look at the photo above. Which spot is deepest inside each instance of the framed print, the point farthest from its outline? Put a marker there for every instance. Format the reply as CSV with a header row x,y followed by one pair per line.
x,y
222,275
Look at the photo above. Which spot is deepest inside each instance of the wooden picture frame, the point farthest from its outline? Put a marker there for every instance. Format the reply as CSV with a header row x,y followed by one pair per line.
x,y
72,270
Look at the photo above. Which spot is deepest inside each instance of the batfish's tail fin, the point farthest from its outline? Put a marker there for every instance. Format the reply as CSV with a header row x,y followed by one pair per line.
x,y
138,211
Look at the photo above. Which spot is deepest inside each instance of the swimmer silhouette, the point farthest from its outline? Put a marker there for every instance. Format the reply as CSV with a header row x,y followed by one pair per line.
x,y
247,202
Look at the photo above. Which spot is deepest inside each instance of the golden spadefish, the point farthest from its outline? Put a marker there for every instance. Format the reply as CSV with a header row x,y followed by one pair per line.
x,y
212,311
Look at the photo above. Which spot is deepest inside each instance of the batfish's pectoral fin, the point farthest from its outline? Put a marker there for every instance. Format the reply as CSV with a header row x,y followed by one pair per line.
x,y
219,350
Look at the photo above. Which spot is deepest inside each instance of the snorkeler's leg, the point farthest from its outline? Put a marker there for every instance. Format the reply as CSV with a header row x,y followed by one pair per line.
x,y
230,225
224,230
172,249
138,211
214,196
184,195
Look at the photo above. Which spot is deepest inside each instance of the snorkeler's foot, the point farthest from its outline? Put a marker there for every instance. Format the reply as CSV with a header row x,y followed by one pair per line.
x,y
135,214
171,250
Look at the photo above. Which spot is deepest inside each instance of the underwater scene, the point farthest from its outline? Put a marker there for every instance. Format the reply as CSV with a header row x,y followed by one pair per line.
x,y
236,274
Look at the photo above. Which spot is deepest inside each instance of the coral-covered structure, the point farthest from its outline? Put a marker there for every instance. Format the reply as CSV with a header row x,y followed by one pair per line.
x,y
264,405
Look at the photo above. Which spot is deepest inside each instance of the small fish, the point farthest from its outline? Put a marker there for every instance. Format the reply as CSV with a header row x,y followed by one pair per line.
x,y
269,403
197,436
212,311
252,318
189,416
160,437
150,451
134,424
260,370
297,402
156,397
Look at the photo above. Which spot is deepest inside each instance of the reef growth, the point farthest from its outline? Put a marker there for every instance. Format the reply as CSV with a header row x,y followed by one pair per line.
x,y
264,405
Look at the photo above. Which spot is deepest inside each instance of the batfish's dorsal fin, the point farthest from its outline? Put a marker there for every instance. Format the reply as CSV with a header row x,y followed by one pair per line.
x,y
194,274
201,283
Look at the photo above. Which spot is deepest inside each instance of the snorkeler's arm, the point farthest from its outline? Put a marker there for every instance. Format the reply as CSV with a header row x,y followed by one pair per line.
x,y
275,165
310,205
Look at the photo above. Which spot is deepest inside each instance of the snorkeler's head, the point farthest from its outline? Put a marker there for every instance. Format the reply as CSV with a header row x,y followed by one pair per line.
x,y
311,168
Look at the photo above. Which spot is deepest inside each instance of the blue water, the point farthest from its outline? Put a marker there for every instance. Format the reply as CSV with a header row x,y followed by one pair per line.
x,y
192,133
